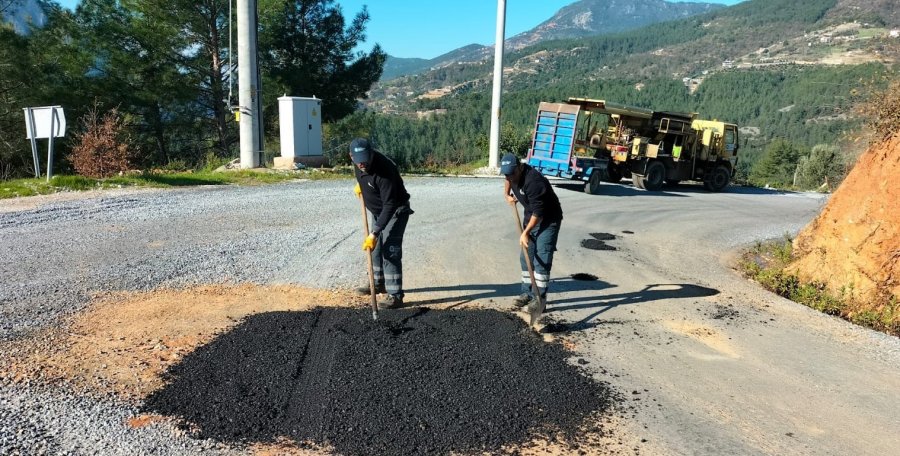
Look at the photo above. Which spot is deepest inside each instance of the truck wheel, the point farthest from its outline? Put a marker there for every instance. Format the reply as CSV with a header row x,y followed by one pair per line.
x,y
613,174
719,179
656,175
592,186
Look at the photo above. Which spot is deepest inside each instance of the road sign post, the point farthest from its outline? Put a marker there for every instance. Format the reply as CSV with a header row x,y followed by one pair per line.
x,y
44,122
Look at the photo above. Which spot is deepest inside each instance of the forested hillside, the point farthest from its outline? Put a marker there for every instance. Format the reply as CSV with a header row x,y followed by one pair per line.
x,y
763,64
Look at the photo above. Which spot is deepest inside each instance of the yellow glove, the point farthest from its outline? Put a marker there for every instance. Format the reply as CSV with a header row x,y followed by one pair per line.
x,y
369,243
357,190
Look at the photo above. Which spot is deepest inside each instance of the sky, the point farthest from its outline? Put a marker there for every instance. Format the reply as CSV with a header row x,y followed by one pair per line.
x,y
427,29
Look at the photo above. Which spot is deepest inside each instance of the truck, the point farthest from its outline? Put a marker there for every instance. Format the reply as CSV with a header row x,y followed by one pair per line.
x,y
596,141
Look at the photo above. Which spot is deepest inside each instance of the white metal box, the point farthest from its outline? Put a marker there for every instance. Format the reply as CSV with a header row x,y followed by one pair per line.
x,y
300,124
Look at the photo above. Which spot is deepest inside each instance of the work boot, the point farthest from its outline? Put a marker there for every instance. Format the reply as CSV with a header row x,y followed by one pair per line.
x,y
521,300
390,302
533,304
366,290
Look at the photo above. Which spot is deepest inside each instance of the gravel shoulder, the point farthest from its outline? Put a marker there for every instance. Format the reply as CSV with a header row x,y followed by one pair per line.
x,y
710,364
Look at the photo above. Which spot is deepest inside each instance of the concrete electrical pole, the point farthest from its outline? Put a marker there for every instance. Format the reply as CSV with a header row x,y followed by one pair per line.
x,y
494,157
249,90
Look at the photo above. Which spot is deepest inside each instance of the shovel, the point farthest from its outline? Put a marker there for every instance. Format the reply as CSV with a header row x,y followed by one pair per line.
x,y
536,313
365,218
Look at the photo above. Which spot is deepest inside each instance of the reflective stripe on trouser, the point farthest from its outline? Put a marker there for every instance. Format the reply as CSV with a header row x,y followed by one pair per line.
x,y
387,257
378,271
540,250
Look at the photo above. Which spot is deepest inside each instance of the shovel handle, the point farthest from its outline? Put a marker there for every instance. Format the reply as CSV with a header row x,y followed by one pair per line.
x,y
534,287
365,218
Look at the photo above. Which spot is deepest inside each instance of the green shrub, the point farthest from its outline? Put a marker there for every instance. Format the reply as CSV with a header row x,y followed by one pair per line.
x,y
177,165
867,318
778,164
823,168
766,263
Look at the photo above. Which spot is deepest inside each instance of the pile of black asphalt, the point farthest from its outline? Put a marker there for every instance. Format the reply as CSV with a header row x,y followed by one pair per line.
x,y
416,381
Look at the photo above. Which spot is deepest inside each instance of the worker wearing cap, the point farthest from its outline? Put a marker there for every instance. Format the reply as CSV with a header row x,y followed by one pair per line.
x,y
543,216
379,184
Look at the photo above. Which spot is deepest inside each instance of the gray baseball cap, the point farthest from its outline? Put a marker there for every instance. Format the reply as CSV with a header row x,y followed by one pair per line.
x,y
361,151
508,164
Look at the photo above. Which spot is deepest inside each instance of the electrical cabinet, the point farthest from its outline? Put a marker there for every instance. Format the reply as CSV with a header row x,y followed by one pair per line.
x,y
300,123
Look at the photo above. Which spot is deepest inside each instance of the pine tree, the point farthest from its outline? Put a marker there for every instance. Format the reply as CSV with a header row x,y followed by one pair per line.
x,y
307,50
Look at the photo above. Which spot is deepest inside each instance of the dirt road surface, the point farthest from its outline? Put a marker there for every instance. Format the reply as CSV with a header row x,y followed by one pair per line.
x,y
707,362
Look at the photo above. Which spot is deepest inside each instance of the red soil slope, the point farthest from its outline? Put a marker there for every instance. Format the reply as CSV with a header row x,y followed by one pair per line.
x,y
854,244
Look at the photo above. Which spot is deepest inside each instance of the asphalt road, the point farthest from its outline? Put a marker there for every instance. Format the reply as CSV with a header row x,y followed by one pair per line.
x,y
710,363
720,366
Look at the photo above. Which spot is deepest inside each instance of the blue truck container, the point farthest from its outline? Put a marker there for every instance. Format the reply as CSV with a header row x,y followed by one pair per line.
x,y
552,150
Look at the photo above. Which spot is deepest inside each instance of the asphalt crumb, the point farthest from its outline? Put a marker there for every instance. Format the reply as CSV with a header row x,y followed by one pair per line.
x,y
725,312
416,381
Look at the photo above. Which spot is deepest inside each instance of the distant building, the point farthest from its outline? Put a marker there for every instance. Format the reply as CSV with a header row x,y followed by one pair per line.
x,y
728,64
430,114
894,33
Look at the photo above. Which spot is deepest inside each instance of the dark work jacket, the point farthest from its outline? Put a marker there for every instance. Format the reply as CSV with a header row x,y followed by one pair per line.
x,y
382,189
537,197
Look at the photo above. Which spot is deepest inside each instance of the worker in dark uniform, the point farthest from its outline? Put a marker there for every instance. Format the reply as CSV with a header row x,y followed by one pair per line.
x,y
543,216
379,184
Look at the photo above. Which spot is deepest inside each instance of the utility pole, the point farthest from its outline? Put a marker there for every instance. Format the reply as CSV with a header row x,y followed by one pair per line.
x,y
494,157
249,90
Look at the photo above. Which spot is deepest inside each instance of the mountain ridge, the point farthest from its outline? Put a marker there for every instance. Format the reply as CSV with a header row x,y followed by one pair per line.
x,y
578,19
752,34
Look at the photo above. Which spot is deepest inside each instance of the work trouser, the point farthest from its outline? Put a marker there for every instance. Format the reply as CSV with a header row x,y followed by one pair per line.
x,y
541,246
387,257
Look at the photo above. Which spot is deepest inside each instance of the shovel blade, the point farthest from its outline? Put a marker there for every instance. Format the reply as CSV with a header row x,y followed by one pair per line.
x,y
535,310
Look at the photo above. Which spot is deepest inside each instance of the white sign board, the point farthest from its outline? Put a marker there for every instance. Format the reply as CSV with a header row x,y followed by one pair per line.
x,y
42,120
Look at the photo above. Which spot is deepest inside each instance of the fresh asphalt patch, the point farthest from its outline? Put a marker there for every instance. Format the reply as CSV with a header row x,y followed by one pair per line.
x,y
598,241
416,381
583,276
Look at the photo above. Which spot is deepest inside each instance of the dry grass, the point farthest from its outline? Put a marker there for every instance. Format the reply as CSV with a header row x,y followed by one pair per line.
x,y
104,148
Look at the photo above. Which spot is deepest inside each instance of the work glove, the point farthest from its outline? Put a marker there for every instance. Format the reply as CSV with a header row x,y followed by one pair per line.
x,y
369,243
357,190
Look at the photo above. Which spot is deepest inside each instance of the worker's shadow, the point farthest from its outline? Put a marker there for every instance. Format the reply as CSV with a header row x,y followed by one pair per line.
x,y
462,294
603,303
